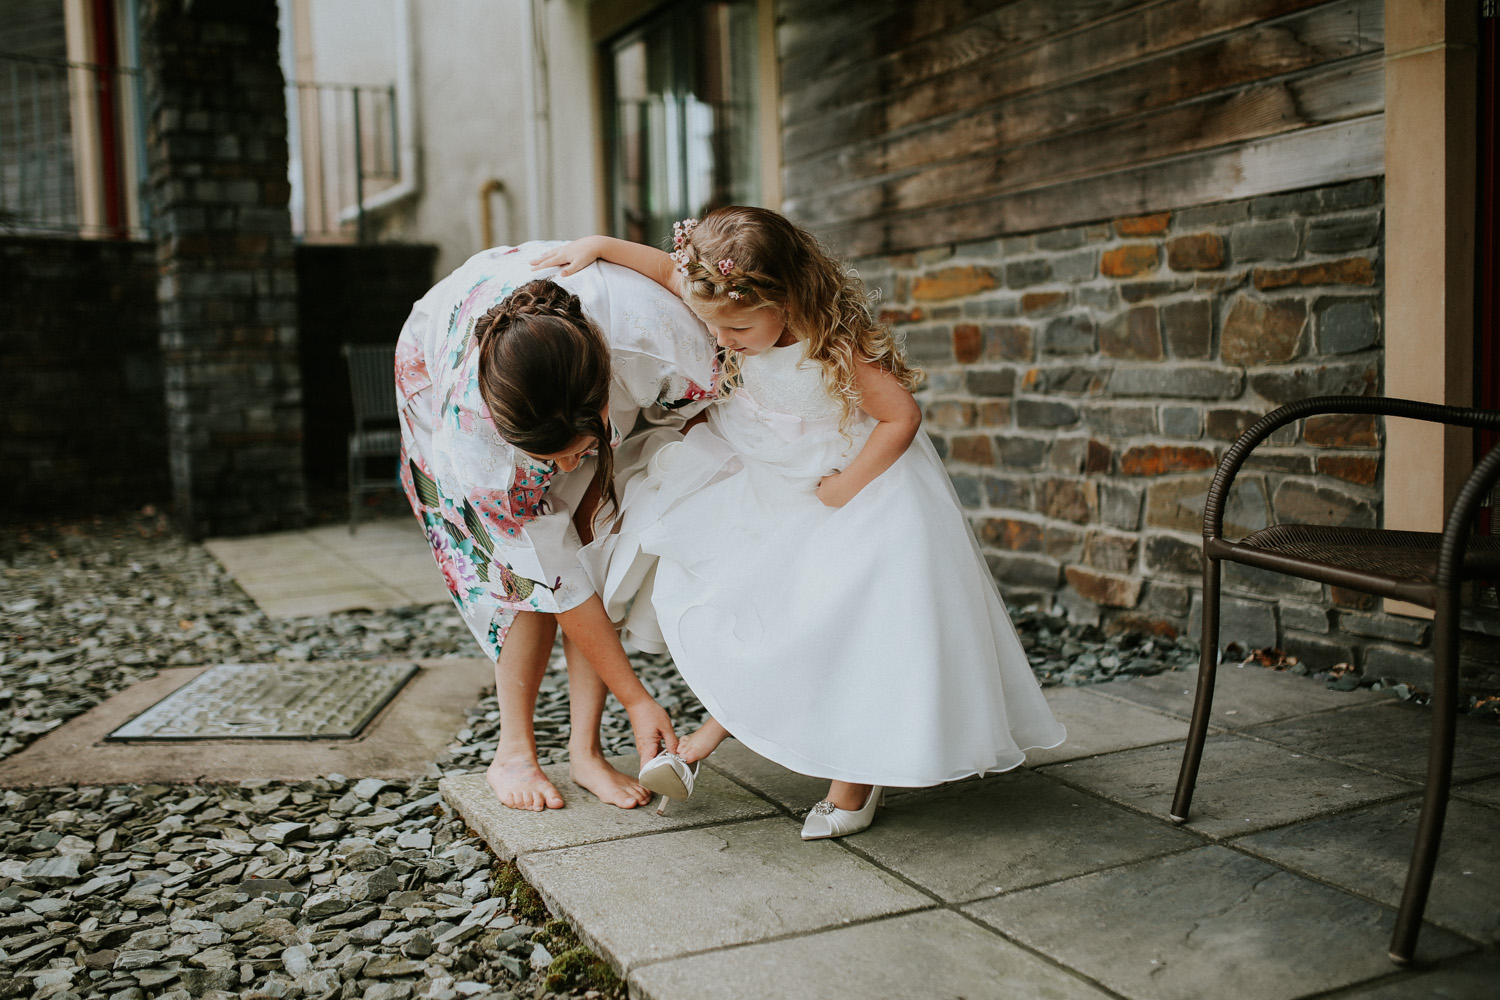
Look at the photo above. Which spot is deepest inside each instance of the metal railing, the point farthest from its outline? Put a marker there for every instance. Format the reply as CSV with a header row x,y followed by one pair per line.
x,y
344,149
72,152
71,148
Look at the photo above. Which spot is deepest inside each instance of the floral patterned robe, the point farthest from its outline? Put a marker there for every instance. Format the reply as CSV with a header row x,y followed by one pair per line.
x,y
500,523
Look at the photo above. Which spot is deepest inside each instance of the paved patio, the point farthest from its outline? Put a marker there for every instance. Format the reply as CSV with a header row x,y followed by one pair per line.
x,y
1061,879
317,571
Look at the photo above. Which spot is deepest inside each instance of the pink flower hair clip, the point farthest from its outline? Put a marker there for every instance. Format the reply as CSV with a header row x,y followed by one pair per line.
x,y
725,266
681,231
734,295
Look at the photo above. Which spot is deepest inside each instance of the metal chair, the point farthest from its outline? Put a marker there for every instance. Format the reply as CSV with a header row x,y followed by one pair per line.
x,y
377,431
1425,568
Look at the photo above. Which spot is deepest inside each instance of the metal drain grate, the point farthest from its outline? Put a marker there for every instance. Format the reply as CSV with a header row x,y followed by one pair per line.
x,y
322,700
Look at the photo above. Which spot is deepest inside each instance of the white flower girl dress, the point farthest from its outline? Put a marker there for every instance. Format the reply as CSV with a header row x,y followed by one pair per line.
x,y
866,643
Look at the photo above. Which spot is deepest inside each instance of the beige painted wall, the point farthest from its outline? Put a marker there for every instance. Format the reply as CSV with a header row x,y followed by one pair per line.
x,y
1430,69
467,61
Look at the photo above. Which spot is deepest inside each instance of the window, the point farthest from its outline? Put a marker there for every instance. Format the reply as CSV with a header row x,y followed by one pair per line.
x,y
682,116
72,128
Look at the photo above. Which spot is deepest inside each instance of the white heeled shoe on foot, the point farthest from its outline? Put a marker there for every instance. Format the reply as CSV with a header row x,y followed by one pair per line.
x,y
669,776
828,820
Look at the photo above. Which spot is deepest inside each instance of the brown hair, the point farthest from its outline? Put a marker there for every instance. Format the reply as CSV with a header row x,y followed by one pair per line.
x,y
756,258
544,374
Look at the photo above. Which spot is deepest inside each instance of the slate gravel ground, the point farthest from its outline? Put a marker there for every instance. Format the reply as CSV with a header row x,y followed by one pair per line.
x,y
340,887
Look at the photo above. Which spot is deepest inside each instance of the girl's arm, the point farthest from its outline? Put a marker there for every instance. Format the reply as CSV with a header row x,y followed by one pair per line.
x,y
898,416
649,261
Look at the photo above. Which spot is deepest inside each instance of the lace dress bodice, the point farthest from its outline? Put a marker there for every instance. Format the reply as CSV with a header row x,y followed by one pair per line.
x,y
782,379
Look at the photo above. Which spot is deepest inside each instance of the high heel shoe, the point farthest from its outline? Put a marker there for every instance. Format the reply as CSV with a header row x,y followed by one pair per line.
x,y
669,776
828,820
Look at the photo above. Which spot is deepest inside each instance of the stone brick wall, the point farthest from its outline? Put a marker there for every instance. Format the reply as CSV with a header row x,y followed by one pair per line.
x,y
1084,382
228,288
82,426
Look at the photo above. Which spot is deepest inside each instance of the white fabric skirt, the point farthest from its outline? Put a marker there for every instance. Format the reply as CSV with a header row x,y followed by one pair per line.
x,y
866,643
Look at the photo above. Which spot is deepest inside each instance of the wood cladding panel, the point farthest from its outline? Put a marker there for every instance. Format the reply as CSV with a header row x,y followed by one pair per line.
x,y
924,39
1306,158
1294,44
984,61
1037,94
1028,107
1349,90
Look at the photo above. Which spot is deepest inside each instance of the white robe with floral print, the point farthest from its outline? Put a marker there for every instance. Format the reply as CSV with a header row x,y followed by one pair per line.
x,y
500,523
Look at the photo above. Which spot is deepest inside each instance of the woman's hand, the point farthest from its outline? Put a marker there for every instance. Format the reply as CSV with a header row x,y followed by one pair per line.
x,y
651,727
572,257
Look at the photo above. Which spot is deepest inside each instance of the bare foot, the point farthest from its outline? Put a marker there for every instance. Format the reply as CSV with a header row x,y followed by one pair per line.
x,y
703,742
590,771
519,783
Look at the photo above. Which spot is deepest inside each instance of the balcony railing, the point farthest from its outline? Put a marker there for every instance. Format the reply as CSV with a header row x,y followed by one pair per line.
x,y
343,151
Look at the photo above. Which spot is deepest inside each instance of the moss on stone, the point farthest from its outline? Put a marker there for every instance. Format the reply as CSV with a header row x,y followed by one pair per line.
x,y
580,965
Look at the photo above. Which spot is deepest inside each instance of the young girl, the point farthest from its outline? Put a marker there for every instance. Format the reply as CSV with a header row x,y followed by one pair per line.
x,y
816,581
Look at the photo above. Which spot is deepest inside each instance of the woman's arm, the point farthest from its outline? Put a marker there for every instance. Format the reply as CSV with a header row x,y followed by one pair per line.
x,y
651,262
898,417
589,627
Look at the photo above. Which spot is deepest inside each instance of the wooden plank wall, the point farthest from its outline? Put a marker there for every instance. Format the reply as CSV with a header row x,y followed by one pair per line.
x,y
909,124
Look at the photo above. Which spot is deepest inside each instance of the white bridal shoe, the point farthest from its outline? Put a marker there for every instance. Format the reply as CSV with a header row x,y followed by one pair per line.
x,y
827,820
669,776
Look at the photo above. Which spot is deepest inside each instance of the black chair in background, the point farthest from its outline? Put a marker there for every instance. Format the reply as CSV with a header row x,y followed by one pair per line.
x,y
1425,568
377,430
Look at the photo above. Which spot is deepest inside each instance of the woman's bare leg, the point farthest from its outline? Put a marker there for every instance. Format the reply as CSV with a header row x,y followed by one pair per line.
x,y
515,775
587,765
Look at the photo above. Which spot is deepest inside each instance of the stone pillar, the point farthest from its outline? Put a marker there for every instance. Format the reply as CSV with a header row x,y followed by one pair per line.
x,y
227,286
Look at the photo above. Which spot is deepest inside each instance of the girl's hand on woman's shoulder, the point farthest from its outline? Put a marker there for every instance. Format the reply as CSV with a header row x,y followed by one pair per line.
x,y
571,257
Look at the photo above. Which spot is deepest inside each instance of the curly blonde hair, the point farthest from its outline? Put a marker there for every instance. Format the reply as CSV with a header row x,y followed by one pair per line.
x,y
755,258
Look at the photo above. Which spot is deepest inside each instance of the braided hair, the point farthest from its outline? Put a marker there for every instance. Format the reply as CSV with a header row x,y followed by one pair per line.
x,y
544,374
755,258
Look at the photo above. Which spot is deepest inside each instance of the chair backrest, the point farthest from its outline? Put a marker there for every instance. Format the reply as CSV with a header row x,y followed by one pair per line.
x,y
372,381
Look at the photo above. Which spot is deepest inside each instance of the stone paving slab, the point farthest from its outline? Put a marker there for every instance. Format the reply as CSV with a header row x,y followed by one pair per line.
x,y
1466,979
400,743
1391,738
586,820
796,793
1367,851
979,838
291,574
645,899
1243,696
1243,785
1186,926
1487,792
929,954
1097,724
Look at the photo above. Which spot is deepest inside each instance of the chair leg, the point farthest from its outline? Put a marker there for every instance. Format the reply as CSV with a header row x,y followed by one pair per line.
x,y
355,466
1439,781
1203,702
